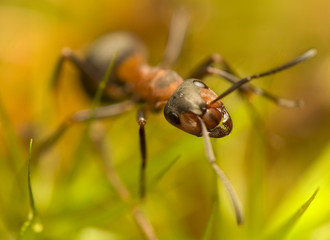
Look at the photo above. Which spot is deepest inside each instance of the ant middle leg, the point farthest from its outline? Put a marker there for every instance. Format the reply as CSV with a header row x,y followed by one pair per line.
x,y
83,116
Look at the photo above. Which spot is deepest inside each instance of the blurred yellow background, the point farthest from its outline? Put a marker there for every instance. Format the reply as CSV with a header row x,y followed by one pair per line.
x,y
275,157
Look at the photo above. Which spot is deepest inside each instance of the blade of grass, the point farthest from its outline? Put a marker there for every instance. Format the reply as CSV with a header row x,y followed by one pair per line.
x,y
80,150
136,212
97,98
158,176
256,154
33,221
211,223
284,230
222,176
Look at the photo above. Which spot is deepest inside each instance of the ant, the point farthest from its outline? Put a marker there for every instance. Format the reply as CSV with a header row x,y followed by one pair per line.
x,y
189,105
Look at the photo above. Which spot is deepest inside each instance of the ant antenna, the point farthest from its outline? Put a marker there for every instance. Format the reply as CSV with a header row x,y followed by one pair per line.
x,y
222,176
303,57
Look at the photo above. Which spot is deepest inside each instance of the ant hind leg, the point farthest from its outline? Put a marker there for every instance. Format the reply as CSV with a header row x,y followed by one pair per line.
x,y
206,69
241,82
90,80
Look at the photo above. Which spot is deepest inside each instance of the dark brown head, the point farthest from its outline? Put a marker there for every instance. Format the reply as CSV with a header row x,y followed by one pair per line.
x,y
193,101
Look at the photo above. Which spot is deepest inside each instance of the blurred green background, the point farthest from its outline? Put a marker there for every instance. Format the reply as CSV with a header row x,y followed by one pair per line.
x,y
275,157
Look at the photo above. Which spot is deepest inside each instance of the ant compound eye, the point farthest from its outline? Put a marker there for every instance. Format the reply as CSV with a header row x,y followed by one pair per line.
x,y
174,118
200,84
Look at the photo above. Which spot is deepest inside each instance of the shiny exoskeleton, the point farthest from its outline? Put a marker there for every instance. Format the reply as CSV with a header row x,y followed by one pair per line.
x,y
133,78
189,105
193,100
185,101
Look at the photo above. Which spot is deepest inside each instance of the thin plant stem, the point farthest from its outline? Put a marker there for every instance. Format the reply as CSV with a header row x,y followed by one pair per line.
x,y
33,220
125,196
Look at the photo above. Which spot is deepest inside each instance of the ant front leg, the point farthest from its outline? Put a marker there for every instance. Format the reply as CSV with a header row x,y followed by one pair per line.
x,y
206,69
141,119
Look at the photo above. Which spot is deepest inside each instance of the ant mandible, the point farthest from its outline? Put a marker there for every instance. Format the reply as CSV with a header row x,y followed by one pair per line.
x,y
189,105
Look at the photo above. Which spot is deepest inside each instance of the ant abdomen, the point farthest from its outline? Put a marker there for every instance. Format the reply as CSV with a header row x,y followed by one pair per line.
x,y
121,46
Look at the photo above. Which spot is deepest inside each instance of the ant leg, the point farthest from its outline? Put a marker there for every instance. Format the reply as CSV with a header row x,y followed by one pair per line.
x,y
202,69
67,54
222,176
90,78
81,116
206,69
102,112
176,37
301,58
141,119
248,88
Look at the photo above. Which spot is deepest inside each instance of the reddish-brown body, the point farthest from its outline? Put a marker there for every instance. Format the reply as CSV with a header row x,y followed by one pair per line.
x,y
185,101
153,85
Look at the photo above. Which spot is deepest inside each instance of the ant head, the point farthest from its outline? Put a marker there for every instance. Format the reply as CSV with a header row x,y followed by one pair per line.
x,y
192,102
